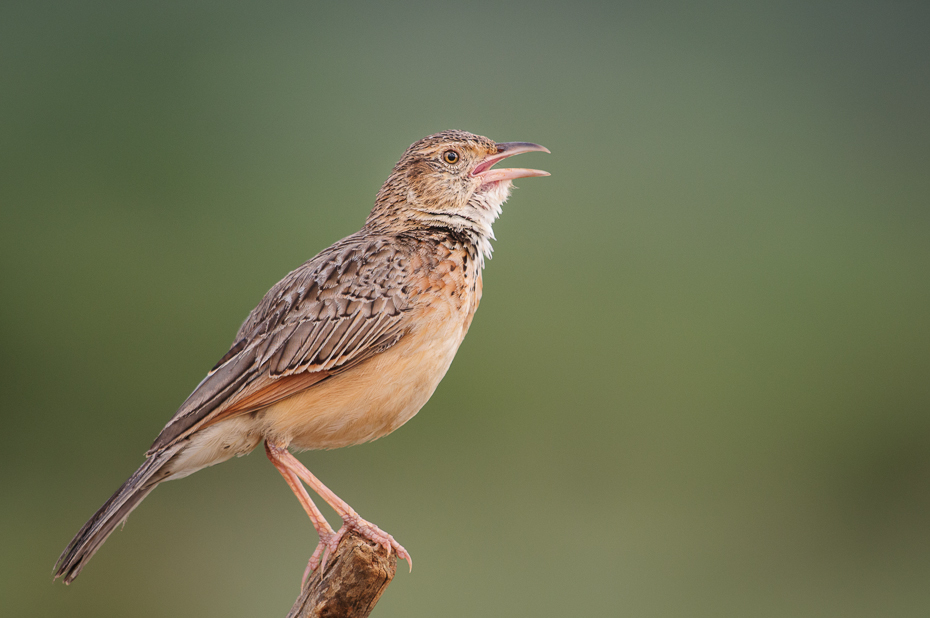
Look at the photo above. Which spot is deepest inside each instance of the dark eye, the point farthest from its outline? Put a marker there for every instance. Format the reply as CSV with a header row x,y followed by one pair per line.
x,y
450,157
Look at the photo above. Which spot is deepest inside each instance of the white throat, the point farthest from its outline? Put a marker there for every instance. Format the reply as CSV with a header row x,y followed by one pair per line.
x,y
483,210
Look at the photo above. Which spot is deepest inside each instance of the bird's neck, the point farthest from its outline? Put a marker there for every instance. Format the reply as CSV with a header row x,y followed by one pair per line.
x,y
402,211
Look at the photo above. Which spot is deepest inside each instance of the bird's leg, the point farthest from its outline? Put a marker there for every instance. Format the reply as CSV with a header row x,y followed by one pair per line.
x,y
323,529
350,519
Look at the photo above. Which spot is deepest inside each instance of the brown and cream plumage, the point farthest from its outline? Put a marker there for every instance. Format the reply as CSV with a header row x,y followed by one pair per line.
x,y
347,347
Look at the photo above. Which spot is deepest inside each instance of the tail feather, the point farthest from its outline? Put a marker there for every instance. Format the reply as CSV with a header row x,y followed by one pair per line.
x,y
115,511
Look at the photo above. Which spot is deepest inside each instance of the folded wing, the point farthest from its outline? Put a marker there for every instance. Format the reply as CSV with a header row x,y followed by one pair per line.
x,y
338,309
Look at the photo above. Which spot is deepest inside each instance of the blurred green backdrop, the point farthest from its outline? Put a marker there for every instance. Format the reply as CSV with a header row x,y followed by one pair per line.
x,y
699,382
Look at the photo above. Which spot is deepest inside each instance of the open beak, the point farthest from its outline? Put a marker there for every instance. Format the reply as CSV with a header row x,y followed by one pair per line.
x,y
508,149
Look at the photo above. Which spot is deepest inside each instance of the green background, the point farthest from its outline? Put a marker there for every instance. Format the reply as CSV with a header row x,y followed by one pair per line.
x,y
699,382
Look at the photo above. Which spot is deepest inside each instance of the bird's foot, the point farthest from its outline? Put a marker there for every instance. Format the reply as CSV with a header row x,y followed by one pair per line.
x,y
320,554
367,530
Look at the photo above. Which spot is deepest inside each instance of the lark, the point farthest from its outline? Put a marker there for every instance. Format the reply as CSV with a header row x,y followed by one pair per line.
x,y
346,348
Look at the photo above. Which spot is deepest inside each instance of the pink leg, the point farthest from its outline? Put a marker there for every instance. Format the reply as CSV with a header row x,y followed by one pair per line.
x,y
323,529
350,519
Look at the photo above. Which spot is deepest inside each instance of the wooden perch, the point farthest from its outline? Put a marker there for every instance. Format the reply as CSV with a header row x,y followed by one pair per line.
x,y
355,577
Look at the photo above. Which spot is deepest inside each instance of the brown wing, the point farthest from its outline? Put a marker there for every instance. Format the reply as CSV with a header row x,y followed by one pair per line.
x,y
340,308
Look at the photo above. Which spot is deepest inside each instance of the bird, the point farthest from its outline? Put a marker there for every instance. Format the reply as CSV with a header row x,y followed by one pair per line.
x,y
347,347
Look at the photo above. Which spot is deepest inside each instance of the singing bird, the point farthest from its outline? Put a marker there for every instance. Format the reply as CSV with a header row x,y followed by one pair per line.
x,y
346,348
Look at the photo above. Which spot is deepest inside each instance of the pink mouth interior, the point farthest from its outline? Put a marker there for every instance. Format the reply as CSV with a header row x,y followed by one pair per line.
x,y
488,164
490,176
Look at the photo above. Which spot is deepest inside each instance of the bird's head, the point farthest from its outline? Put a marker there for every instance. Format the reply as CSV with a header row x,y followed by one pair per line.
x,y
447,180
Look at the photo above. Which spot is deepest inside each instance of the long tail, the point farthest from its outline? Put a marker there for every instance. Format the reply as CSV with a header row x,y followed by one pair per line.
x,y
115,511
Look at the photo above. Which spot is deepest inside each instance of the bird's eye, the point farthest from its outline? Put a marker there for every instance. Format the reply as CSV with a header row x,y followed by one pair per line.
x,y
450,156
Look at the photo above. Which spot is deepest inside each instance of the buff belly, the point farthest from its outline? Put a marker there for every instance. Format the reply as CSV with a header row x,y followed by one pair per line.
x,y
368,402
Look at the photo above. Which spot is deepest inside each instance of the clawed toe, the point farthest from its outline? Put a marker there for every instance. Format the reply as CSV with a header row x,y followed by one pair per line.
x,y
324,549
317,560
373,533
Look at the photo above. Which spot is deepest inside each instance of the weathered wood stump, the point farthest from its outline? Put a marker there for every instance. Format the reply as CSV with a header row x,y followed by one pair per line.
x,y
354,579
